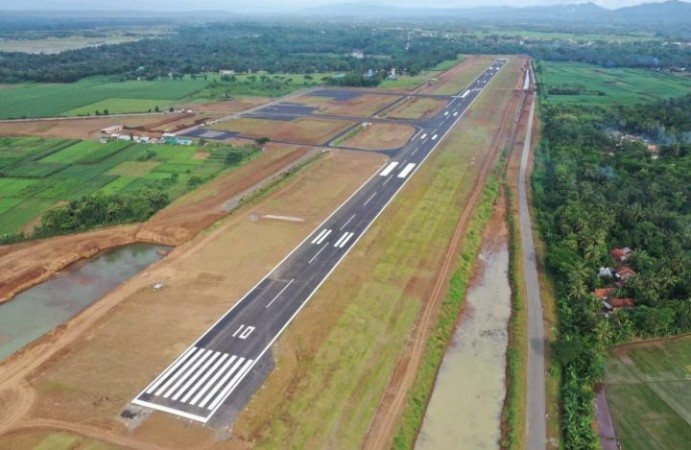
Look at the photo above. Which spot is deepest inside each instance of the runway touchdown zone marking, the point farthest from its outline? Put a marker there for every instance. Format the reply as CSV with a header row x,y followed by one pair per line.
x,y
406,171
321,236
388,169
343,240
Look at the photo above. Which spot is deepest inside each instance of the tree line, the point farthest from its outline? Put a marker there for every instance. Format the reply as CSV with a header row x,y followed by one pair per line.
x,y
594,192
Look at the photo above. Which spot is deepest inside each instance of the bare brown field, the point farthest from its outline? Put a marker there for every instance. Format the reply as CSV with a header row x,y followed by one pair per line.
x,y
312,131
417,108
381,136
83,128
26,264
458,77
362,106
108,353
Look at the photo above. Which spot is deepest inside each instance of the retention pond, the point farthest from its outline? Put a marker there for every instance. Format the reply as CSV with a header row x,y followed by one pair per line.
x,y
41,308
465,407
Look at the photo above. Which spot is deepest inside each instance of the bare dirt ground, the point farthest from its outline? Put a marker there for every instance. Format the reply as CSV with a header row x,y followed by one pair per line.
x,y
84,128
417,108
311,131
381,136
361,106
226,107
79,378
26,264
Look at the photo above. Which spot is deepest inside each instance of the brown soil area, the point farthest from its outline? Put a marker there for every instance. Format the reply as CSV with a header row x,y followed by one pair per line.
x,y
85,128
85,373
26,264
310,131
361,106
381,136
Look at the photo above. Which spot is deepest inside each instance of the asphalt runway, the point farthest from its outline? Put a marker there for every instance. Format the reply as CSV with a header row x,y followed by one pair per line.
x,y
210,373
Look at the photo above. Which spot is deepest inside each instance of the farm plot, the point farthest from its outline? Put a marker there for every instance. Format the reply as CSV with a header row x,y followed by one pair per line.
x,y
585,84
311,131
38,173
649,391
85,96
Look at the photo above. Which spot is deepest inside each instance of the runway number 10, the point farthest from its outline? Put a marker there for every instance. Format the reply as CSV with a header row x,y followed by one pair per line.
x,y
243,332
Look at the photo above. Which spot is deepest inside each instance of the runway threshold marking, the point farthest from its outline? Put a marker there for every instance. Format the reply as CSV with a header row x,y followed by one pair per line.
x,y
279,294
317,254
343,240
321,236
388,169
348,221
406,171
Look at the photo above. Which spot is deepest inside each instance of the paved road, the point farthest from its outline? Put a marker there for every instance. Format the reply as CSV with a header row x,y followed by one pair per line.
x,y
200,381
536,428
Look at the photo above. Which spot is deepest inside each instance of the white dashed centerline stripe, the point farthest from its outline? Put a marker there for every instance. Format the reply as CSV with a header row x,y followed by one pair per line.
x,y
345,241
387,180
203,379
368,200
221,382
317,254
172,367
347,222
388,169
404,173
212,380
279,294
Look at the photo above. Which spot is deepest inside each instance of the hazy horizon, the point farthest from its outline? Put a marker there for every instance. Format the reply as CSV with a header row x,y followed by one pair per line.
x,y
277,5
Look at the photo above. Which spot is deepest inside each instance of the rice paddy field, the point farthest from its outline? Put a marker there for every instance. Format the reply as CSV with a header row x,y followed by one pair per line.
x,y
91,94
36,173
649,393
594,85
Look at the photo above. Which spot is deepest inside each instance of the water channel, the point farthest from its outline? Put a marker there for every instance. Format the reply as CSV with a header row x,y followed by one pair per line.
x,y
465,409
41,308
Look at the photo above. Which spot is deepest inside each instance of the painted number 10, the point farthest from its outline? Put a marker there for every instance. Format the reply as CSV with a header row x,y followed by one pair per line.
x,y
243,332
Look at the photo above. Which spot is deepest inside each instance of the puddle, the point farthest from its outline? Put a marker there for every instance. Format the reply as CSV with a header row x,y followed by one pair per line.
x,y
41,308
465,408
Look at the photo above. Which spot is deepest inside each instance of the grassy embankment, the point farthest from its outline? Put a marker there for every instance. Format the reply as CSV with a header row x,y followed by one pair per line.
x,y
567,83
336,360
649,392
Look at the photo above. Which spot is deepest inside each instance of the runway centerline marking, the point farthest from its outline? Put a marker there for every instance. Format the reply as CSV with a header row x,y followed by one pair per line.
x,y
317,254
368,200
387,180
348,221
281,292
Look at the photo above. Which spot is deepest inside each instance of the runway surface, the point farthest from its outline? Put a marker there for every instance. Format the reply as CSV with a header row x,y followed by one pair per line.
x,y
201,380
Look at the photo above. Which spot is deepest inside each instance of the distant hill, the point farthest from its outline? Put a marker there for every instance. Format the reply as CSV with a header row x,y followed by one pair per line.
x,y
673,11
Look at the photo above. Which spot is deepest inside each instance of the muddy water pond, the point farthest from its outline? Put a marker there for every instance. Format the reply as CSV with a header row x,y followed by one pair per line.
x,y
465,408
41,308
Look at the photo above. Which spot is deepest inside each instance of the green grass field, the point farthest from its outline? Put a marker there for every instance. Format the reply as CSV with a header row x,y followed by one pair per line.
x,y
36,174
649,391
85,96
601,86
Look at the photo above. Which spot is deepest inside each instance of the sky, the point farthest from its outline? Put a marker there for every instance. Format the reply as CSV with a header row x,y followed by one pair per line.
x,y
229,5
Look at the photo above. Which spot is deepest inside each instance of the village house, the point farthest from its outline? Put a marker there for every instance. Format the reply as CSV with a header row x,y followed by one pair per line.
x,y
621,254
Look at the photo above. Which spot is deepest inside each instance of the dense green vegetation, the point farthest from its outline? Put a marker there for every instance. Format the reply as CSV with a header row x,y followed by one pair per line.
x,y
36,174
243,47
594,192
570,83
